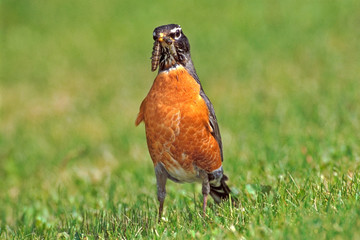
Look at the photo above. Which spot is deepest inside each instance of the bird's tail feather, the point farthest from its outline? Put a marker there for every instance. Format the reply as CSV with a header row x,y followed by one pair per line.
x,y
220,191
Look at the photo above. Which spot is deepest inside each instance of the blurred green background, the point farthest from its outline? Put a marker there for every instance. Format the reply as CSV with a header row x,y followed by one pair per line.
x,y
283,77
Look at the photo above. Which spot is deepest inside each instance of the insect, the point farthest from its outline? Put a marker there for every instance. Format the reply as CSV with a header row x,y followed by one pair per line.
x,y
155,58
173,52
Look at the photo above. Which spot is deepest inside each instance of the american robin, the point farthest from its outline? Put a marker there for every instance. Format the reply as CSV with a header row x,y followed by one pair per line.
x,y
182,132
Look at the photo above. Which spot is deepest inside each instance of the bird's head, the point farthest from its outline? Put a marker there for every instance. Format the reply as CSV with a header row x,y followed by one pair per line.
x,y
171,47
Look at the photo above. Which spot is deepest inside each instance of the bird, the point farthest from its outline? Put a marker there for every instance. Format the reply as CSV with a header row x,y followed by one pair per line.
x,y
182,131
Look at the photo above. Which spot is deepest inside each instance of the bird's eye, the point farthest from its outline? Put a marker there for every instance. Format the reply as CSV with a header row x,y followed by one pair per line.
x,y
177,33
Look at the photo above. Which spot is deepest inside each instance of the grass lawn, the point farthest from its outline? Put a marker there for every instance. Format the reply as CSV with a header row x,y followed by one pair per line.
x,y
284,78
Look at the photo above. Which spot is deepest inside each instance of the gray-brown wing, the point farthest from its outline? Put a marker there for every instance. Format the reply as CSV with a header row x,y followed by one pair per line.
x,y
213,121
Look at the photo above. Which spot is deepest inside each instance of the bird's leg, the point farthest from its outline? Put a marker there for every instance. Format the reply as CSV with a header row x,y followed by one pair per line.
x,y
205,189
161,177
161,206
161,193
204,203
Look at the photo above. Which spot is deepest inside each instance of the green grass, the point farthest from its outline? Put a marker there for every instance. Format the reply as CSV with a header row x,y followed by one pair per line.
x,y
283,77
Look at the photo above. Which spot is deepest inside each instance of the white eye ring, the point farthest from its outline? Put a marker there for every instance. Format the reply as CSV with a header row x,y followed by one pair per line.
x,y
177,34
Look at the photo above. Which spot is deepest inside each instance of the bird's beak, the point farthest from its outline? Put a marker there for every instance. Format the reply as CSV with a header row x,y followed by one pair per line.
x,y
161,38
167,42
165,39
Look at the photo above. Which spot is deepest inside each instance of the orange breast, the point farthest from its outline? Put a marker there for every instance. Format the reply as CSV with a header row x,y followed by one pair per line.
x,y
177,126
